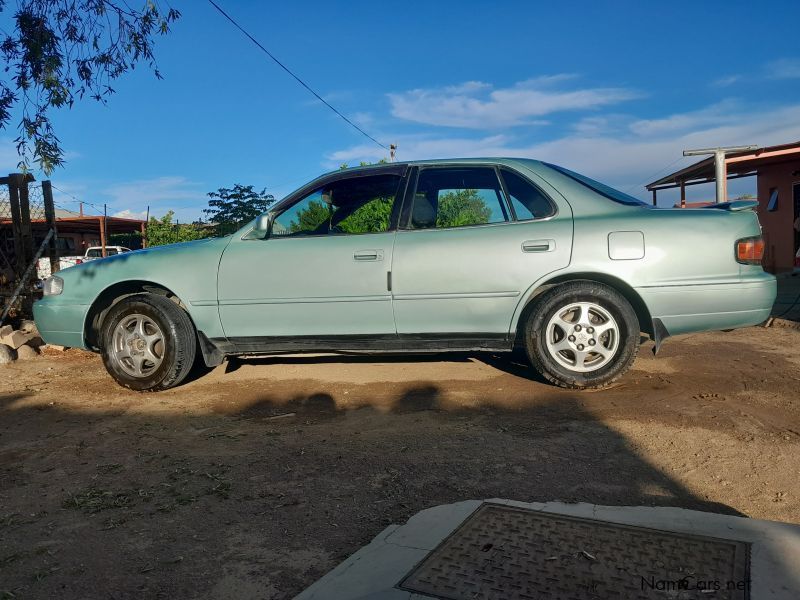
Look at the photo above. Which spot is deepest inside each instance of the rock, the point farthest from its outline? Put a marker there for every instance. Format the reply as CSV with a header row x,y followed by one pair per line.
x,y
7,354
16,338
26,353
54,347
29,326
6,330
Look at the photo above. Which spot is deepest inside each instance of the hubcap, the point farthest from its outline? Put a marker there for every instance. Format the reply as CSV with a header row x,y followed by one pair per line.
x,y
582,336
137,345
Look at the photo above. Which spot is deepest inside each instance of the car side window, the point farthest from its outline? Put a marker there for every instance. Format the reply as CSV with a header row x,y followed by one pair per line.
x,y
528,201
457,197
349,206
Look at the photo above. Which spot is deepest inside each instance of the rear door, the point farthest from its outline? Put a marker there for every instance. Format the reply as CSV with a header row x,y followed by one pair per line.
x,y
472,241
323,270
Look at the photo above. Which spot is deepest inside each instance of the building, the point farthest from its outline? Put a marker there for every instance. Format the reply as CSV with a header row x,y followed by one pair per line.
x,y
777,169
76,232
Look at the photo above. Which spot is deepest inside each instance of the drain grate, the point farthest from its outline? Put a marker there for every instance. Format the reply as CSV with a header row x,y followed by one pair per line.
x,y
508,553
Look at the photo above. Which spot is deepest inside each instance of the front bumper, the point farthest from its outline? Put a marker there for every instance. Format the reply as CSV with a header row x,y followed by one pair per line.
x,y
59,323
692,308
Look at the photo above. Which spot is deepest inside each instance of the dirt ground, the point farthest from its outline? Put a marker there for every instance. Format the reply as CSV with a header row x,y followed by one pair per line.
x,y
257,478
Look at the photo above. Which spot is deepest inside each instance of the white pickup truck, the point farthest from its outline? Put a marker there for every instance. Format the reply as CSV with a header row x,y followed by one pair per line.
x,y
92,253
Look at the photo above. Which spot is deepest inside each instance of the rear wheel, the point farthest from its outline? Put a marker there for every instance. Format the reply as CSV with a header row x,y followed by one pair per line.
x,y
149,343
582,334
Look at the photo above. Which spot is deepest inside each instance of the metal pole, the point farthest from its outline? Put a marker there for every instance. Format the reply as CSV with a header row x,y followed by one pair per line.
x,y
720,171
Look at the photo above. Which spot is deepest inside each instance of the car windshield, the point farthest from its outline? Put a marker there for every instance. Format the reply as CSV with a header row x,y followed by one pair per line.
x,y
600,188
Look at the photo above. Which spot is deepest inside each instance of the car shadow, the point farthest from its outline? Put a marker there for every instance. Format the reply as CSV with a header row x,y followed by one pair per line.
x,y
155,496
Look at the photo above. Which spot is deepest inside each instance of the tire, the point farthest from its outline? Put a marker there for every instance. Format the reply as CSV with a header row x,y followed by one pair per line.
x,y
582,334
149,343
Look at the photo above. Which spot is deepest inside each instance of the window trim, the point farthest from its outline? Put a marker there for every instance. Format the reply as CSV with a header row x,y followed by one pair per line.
x,y
553,205
569,174
399,169
408,200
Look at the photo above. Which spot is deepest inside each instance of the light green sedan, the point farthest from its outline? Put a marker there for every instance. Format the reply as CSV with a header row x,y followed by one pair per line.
x,y
432,256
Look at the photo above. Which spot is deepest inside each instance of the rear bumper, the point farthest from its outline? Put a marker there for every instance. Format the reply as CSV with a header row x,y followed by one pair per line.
x,y
60,323
692,308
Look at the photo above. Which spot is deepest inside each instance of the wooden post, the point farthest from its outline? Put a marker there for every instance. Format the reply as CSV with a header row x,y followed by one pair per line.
x,y
103,234
50,220
16,221
103,231
145,226
654,197
25,214
683,194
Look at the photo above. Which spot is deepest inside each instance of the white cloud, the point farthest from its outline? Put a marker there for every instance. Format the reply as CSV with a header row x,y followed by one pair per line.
x,y
161,194
143,192
716,114
726,81
129,214
622,156
478,105
784,68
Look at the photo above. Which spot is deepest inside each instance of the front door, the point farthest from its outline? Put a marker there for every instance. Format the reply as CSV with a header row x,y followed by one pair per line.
x,y
322,272
475,239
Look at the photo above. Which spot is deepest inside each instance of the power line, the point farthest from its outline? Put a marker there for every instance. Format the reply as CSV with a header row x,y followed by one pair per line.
x,y
300,81
661,170
55,187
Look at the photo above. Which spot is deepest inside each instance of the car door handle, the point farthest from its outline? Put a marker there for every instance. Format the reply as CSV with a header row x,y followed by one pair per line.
x,y
368,255
538,245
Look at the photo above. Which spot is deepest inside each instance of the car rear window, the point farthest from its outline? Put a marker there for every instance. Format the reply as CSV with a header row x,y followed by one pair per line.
x,y
600,188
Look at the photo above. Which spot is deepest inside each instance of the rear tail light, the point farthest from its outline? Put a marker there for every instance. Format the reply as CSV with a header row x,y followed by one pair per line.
x,y
78,261
750,251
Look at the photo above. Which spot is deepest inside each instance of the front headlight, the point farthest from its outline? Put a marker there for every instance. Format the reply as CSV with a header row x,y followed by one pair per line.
x,y
53,286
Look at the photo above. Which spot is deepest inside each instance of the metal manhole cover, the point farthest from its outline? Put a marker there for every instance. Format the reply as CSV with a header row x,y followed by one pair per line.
x,y
507,553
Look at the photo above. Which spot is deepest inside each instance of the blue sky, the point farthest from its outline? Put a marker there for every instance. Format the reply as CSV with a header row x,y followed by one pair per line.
x,y
615,90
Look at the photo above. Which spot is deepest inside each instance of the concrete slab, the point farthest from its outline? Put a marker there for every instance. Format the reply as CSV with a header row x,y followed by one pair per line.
x,y
373,571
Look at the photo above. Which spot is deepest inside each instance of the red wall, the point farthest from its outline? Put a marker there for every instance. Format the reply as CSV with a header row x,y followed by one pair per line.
x,y
778,225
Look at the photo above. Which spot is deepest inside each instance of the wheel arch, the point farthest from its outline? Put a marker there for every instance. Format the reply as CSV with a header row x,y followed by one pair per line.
x,y
630,294
114,293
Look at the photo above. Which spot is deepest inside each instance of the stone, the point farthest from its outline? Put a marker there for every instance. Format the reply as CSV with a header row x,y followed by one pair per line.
x,y
35,342
29,326
16,338
54,347
7,354
26,353
6,330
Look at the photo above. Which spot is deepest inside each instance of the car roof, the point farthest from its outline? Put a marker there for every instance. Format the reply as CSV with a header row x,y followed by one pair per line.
x,y
490,160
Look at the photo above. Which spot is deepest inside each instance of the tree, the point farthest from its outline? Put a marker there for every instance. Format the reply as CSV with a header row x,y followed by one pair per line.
x,y
310,217
163,231
370,217
63,50
230,208
462,207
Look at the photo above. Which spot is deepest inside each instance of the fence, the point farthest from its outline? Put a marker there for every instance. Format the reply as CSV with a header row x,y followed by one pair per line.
x,y
22,201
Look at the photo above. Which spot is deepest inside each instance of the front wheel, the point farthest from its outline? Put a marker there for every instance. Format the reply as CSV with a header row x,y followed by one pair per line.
x,y
149,343
582,334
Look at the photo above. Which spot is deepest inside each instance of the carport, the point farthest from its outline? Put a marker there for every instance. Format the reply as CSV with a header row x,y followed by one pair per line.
x,y
777,169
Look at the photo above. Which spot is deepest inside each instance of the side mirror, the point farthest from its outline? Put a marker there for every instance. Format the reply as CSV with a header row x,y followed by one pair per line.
x,y
263,222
